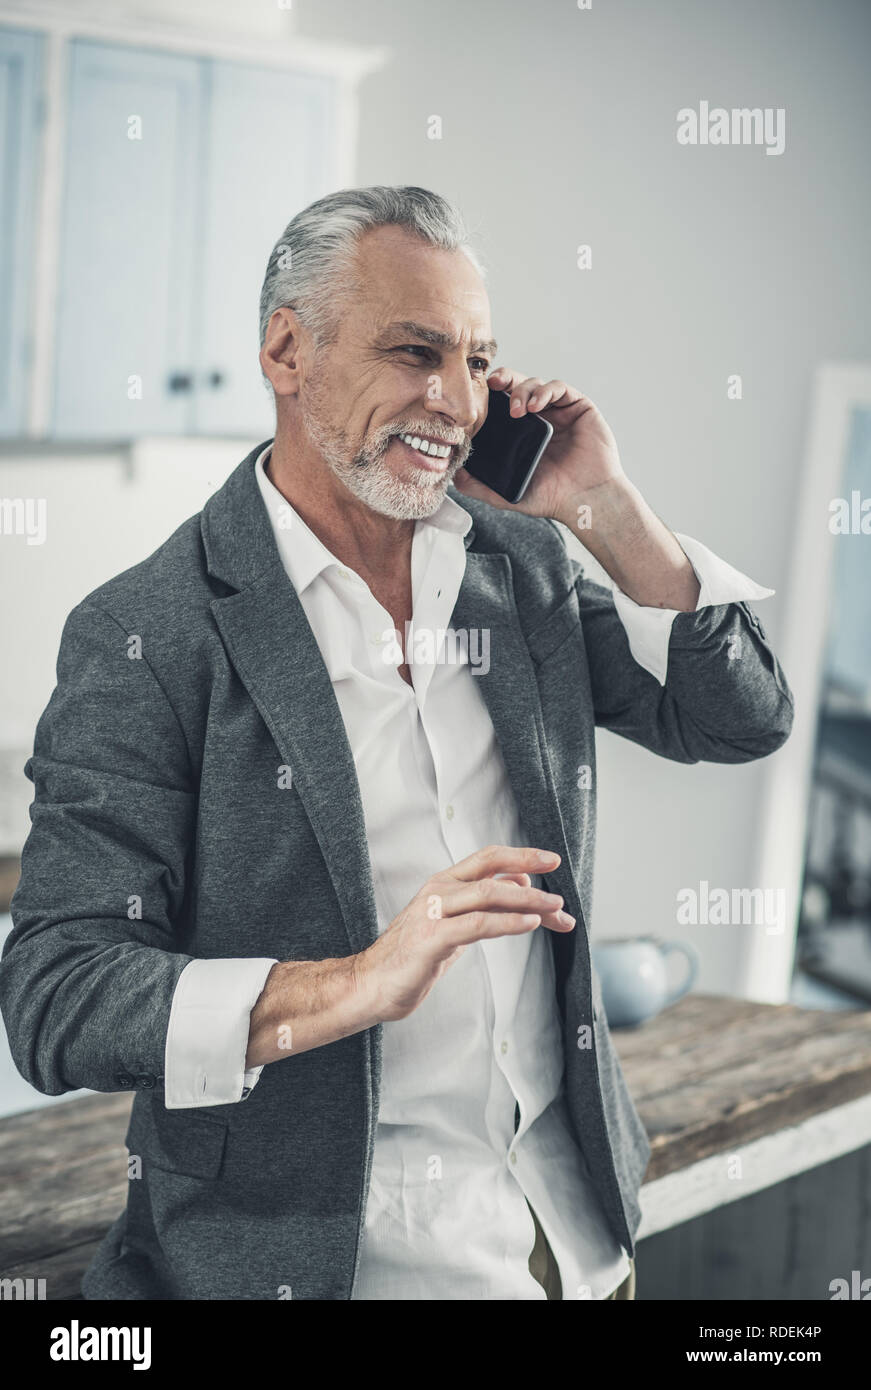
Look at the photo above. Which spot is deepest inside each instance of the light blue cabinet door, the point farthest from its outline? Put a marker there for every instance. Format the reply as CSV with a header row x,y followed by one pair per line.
x,y
271,152
128,261
20,62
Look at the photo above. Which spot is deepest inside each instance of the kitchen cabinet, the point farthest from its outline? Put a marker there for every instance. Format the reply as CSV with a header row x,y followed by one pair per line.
x,y
181,174
128,265
175,174
20,120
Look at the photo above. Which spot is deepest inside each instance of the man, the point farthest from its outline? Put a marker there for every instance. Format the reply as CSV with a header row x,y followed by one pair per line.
x,y
286,875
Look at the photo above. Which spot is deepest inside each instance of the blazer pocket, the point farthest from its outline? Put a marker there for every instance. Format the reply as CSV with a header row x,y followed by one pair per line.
x,y
178,1141
556,629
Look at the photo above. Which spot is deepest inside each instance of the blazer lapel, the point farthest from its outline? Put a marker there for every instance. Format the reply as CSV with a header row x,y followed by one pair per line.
x,y
510,691
274,651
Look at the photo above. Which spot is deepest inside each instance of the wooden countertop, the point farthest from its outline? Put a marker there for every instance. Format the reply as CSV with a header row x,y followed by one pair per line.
x,y
711,1077
711,1074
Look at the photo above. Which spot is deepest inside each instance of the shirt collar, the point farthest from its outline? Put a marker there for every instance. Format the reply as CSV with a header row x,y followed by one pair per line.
x,y
305,556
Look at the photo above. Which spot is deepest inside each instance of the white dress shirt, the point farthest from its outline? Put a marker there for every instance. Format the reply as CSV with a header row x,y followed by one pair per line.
x,y
452,1181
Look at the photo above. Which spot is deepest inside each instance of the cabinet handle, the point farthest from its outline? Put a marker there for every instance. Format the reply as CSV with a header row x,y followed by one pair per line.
x,y
180,381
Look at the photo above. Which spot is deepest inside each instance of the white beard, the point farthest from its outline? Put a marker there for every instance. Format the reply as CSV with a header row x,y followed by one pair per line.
x,y
366,475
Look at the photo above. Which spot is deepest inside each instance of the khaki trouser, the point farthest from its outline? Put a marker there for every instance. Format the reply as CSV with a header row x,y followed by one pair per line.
x,y
543,1268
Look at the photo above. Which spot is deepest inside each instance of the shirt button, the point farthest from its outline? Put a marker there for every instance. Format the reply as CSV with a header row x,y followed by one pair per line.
x,y
449,812
503,1048
513,1156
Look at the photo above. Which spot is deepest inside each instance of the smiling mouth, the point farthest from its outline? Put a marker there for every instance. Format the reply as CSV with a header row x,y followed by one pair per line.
x,y
433,454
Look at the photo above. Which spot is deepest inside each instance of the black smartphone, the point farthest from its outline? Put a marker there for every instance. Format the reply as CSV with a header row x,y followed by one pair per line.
x,y
506,450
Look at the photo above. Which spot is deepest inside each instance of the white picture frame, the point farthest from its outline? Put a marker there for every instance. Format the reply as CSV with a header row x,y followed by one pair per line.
x,y
839,389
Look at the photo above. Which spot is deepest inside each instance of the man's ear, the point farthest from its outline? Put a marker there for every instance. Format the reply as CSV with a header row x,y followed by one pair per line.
x,y
282,352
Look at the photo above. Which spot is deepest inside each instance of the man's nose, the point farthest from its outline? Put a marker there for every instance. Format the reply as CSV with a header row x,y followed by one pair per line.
x,y
454,397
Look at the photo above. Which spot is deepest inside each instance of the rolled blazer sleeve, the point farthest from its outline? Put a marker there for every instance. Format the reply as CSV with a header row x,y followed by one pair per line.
x,y
90,967
649,629
207,1038
724,697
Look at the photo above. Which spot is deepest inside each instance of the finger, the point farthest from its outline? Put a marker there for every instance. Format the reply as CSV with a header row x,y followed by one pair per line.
x,y
551,393
508,380
520,393
484,926
503,378
529,390
496,894
561,921
495,859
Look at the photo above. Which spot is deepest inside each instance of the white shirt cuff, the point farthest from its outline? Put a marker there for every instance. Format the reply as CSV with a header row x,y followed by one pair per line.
x,y
648,630
207,1037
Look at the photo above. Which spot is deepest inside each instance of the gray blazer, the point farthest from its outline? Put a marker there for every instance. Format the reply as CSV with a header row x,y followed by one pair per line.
x,y
157,779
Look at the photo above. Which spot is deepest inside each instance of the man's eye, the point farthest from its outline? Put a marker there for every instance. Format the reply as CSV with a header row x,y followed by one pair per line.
x,y
414,347
480,364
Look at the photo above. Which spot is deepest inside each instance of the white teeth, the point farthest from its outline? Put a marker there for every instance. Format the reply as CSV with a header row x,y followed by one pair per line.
x,y
425,446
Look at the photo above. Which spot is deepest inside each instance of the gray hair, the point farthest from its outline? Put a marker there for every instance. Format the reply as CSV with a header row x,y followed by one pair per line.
x,y
310,266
